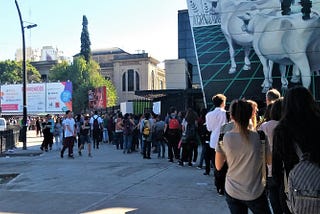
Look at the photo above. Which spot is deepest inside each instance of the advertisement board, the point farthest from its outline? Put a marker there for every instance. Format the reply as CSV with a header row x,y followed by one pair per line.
x,y
41,97
97,98
243,48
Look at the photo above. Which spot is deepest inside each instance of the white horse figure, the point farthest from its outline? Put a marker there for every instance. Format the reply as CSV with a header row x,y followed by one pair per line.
x,y
230,10
287,40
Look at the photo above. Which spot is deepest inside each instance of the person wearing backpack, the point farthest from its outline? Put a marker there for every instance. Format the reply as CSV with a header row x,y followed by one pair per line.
x,y
158,131
189,131
146,131
96,129
172,131
128,126
297,130
241,149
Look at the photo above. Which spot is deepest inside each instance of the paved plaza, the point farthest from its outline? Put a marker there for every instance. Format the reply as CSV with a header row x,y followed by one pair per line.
x,y
109,182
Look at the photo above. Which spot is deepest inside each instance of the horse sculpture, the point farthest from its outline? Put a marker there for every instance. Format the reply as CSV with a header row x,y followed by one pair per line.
x,y
230,10
275,39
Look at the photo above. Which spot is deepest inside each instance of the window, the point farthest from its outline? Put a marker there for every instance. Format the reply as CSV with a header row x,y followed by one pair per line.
x,y
131,79
137,82
124,81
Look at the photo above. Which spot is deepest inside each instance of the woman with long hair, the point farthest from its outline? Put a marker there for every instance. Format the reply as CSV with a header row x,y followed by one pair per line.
x,y
241,149
299,125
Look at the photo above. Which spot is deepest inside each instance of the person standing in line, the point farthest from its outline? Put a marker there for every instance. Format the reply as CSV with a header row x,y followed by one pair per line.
x,y
173,133
147,139
202,131
268,128
136,134
241,149
298,126
158,130
128,126
85,136
118,138
70,133
189,130
96,129
106,119
272,95
214,121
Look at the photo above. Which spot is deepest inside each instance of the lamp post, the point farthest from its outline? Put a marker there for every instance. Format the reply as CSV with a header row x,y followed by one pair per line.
x,y
24,79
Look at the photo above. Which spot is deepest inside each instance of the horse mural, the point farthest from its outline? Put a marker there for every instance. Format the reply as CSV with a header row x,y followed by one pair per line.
x,y
275,40
229,11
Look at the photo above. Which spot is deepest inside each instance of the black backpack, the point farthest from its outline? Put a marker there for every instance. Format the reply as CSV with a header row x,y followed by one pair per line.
x,y
96,125
191,131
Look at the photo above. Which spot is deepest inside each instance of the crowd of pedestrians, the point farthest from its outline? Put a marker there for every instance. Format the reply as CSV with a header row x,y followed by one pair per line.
x,y
230,142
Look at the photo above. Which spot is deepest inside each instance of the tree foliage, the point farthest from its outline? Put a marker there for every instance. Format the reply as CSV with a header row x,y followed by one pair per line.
x,y
85,40
11,72
84,76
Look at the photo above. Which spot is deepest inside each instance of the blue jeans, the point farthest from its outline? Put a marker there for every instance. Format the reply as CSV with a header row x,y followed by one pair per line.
x,y
161,147
257,206
105,135
127,143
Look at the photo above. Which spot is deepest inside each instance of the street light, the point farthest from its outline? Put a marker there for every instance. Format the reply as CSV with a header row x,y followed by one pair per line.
x,y
24,79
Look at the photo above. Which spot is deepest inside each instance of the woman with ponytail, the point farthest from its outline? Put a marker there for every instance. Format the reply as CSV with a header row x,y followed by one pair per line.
x,y
241,149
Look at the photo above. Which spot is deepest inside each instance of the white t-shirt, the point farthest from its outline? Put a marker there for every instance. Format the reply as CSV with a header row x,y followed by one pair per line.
x,y
100,121
214,120
69,122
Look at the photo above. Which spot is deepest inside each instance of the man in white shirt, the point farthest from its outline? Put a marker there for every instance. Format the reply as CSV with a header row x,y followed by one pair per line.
x,y
69,134
214,120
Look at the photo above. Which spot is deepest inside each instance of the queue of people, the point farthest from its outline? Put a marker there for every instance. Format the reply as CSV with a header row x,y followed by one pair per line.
x,y
230,143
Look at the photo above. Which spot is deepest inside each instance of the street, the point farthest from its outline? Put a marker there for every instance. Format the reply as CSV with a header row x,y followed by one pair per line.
x,y
109,182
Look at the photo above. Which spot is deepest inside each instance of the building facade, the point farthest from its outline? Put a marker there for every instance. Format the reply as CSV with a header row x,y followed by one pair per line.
x,y
130,72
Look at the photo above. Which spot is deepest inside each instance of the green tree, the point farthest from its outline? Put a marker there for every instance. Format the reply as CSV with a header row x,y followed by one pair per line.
x,y
11,72
85,40
84,76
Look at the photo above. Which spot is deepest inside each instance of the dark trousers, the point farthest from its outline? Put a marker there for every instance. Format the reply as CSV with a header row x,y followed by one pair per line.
x,y
274,195
68,143
47,141
209,157
118,140
195,151
173,137
186,152
257,206
146,149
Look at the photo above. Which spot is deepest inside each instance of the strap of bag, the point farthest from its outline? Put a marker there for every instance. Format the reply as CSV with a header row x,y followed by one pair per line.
x,y
264,170
285,176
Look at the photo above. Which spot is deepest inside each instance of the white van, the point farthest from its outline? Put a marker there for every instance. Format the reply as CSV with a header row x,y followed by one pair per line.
x,y
3,124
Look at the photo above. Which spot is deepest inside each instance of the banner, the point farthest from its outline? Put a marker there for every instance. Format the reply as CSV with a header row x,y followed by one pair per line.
x,y
98,98
234,40
41,97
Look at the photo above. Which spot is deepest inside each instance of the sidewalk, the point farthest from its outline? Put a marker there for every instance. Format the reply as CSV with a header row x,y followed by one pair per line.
x,y
110,182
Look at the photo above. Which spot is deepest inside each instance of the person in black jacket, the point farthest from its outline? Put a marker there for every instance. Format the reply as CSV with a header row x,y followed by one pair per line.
x,y
299,124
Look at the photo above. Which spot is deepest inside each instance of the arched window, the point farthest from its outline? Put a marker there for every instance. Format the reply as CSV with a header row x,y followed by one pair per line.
x,y
131,79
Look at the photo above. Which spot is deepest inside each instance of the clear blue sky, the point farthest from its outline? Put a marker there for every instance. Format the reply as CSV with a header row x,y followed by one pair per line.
x,y
149,25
